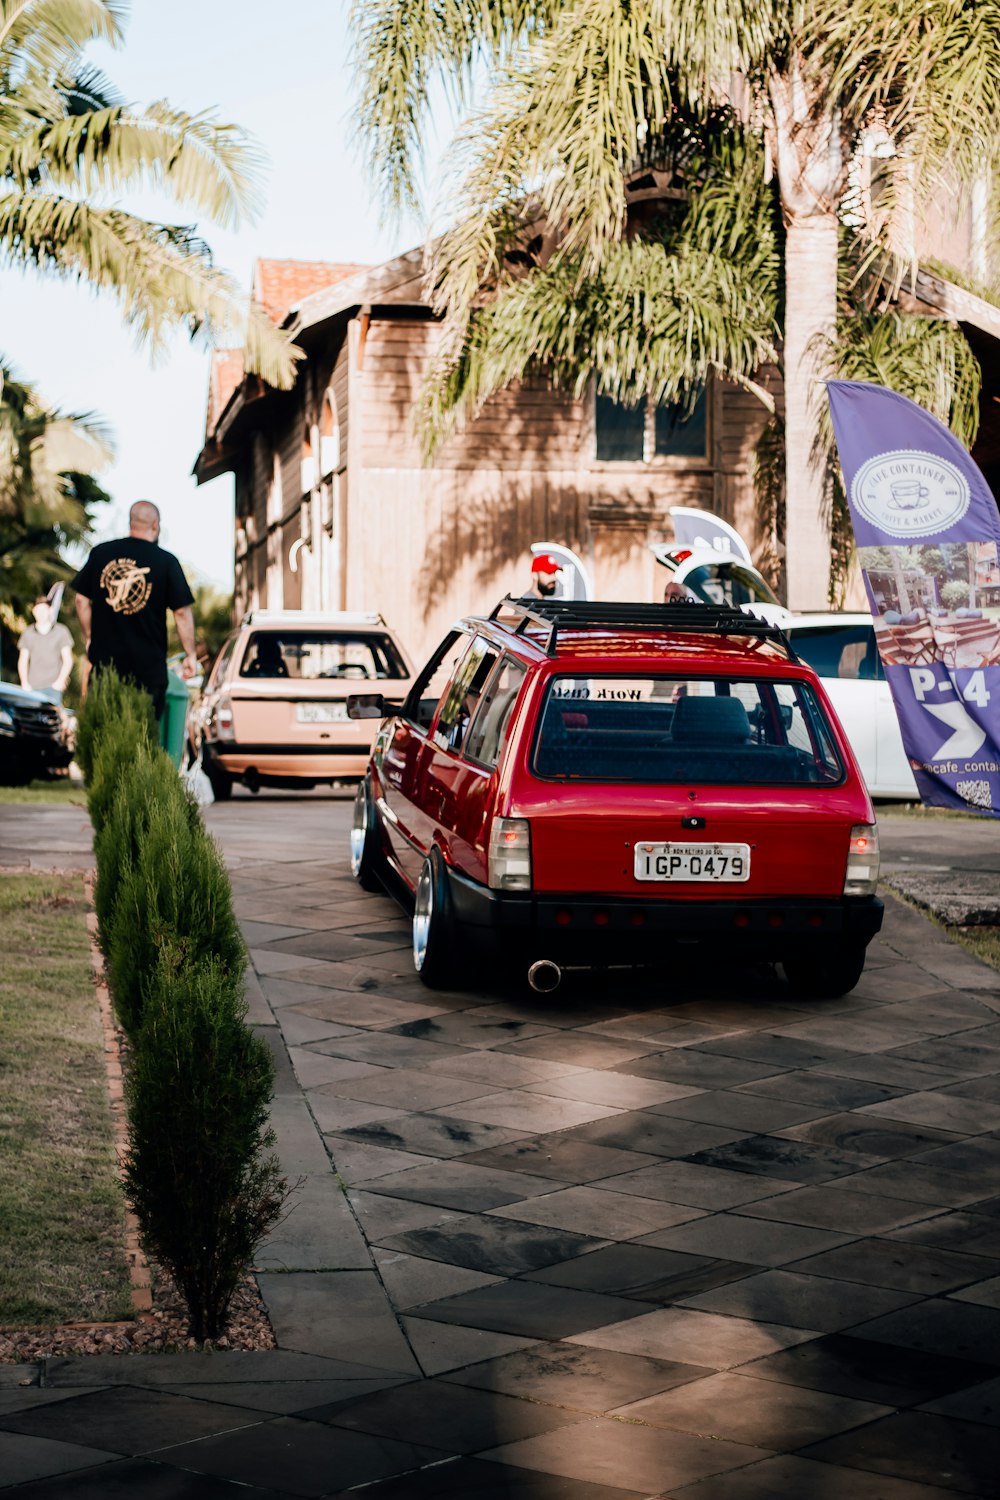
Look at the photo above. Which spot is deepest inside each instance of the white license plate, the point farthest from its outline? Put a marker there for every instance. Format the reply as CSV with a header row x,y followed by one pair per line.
x,y
707,862
320,713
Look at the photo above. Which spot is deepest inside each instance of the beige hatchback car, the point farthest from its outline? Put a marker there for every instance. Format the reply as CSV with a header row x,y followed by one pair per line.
x,y
273,711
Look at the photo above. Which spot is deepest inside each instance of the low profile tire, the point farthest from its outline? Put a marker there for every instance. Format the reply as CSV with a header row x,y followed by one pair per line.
x,y
827,974
220,781
367,859
436,952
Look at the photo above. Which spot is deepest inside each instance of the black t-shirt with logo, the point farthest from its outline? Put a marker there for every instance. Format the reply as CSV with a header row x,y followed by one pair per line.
x,y
131,584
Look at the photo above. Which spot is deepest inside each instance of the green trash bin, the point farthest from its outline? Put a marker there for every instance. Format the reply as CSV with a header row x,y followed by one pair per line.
x,y
174,717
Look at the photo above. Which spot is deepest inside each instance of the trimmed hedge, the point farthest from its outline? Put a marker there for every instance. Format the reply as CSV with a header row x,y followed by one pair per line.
x,y
198,1090
110,703
172,889
199,1171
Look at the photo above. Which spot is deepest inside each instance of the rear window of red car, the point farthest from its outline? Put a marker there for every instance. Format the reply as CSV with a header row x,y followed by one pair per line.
x,y
723,731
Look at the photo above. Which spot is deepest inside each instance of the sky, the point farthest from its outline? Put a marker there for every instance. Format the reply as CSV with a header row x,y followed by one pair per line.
x,y
283,72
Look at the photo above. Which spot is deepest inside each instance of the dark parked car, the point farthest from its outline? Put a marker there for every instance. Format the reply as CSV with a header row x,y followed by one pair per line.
x,y
36,737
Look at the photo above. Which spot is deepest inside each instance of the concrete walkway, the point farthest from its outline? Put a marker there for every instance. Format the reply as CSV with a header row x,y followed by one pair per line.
x,y
704,1241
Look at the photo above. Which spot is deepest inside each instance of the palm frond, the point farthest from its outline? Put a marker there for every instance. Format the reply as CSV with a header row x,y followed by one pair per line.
x,y
160,274
927,359
196,160
43,35
699,293
402,46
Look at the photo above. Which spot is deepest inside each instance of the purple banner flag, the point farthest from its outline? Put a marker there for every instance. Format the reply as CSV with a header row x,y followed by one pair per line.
x,y
928,535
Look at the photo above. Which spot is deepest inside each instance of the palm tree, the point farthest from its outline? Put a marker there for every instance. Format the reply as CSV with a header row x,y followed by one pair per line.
x,y
69,146
48,460
578,92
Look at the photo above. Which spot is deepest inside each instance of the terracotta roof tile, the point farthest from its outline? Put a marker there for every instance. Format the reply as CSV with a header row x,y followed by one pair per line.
x,y
280,285
225,374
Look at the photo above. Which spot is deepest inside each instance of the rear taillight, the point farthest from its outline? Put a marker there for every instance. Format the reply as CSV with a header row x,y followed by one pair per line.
x,y
510,855
861,877
223,722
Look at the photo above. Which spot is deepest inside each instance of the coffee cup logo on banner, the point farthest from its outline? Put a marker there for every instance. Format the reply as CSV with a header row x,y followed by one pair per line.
x,y
910,494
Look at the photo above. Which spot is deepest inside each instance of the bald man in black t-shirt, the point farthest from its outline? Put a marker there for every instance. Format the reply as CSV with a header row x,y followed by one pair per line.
x,y
123,592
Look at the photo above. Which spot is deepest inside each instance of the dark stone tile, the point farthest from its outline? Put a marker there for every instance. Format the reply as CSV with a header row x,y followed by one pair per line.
x,y
532,1309
738,1408
914,1180
462,1478
501,1247
987,1087
643,1272
24,1457
758,1242
654,1460
908,1268
429,1135
307,1458
970,1053
789,1477
974,1233
801,1301
560,1158
821,1089
891,1070
977,1403
577,1048
955,1455
130,1420
738,1111
792,1161
778,1051
467,1029
135,1477
873,1136
698,1068
657,1135
870,1371
684,1182
458,1184
834,1207
451,1417
577,1378
938,1326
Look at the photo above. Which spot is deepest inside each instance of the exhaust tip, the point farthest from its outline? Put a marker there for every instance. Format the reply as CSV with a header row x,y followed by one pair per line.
x,y
544,976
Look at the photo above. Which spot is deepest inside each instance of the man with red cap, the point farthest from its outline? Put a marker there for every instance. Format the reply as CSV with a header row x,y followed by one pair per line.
x,y
543,576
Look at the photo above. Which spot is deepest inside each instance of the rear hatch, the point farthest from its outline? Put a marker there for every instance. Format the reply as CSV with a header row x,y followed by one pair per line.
x,y
292,685
700,788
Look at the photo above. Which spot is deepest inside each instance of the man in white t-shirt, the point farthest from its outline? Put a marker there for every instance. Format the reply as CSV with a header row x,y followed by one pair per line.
x,y
45,653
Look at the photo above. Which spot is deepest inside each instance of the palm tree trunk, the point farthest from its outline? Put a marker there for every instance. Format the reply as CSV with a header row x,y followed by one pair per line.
x,y
806,139
810,319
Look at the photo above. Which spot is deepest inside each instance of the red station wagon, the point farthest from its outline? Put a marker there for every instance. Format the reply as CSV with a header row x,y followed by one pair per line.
x,y
592,784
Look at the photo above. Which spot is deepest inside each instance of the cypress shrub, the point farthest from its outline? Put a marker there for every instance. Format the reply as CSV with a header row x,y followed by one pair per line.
x,y
110,701
200,1173
172,889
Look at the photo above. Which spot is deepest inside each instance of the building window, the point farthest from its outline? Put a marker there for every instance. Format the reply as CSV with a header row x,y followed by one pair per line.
x,y
637,434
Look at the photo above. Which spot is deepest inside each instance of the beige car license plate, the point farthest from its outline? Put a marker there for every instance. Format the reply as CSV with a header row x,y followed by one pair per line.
x,y
320,713
705,862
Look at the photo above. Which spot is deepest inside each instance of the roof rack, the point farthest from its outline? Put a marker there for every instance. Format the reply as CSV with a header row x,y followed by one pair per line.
x,y
682,616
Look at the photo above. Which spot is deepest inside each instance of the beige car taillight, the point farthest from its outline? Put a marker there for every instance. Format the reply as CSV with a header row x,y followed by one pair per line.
x,y
223,721
510,855
861,878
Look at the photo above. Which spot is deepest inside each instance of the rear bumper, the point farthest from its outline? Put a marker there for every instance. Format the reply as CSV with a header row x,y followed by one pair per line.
x,y
623,930
288,762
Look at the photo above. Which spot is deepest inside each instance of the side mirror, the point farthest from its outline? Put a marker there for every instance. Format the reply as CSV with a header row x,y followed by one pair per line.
x,y
366,706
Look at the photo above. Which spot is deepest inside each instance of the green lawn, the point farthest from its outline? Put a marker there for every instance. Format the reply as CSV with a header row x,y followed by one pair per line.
x,y
62,791
61,1207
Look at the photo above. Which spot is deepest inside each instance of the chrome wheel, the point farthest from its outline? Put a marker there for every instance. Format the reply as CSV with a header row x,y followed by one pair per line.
x,y
423,915
359,829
